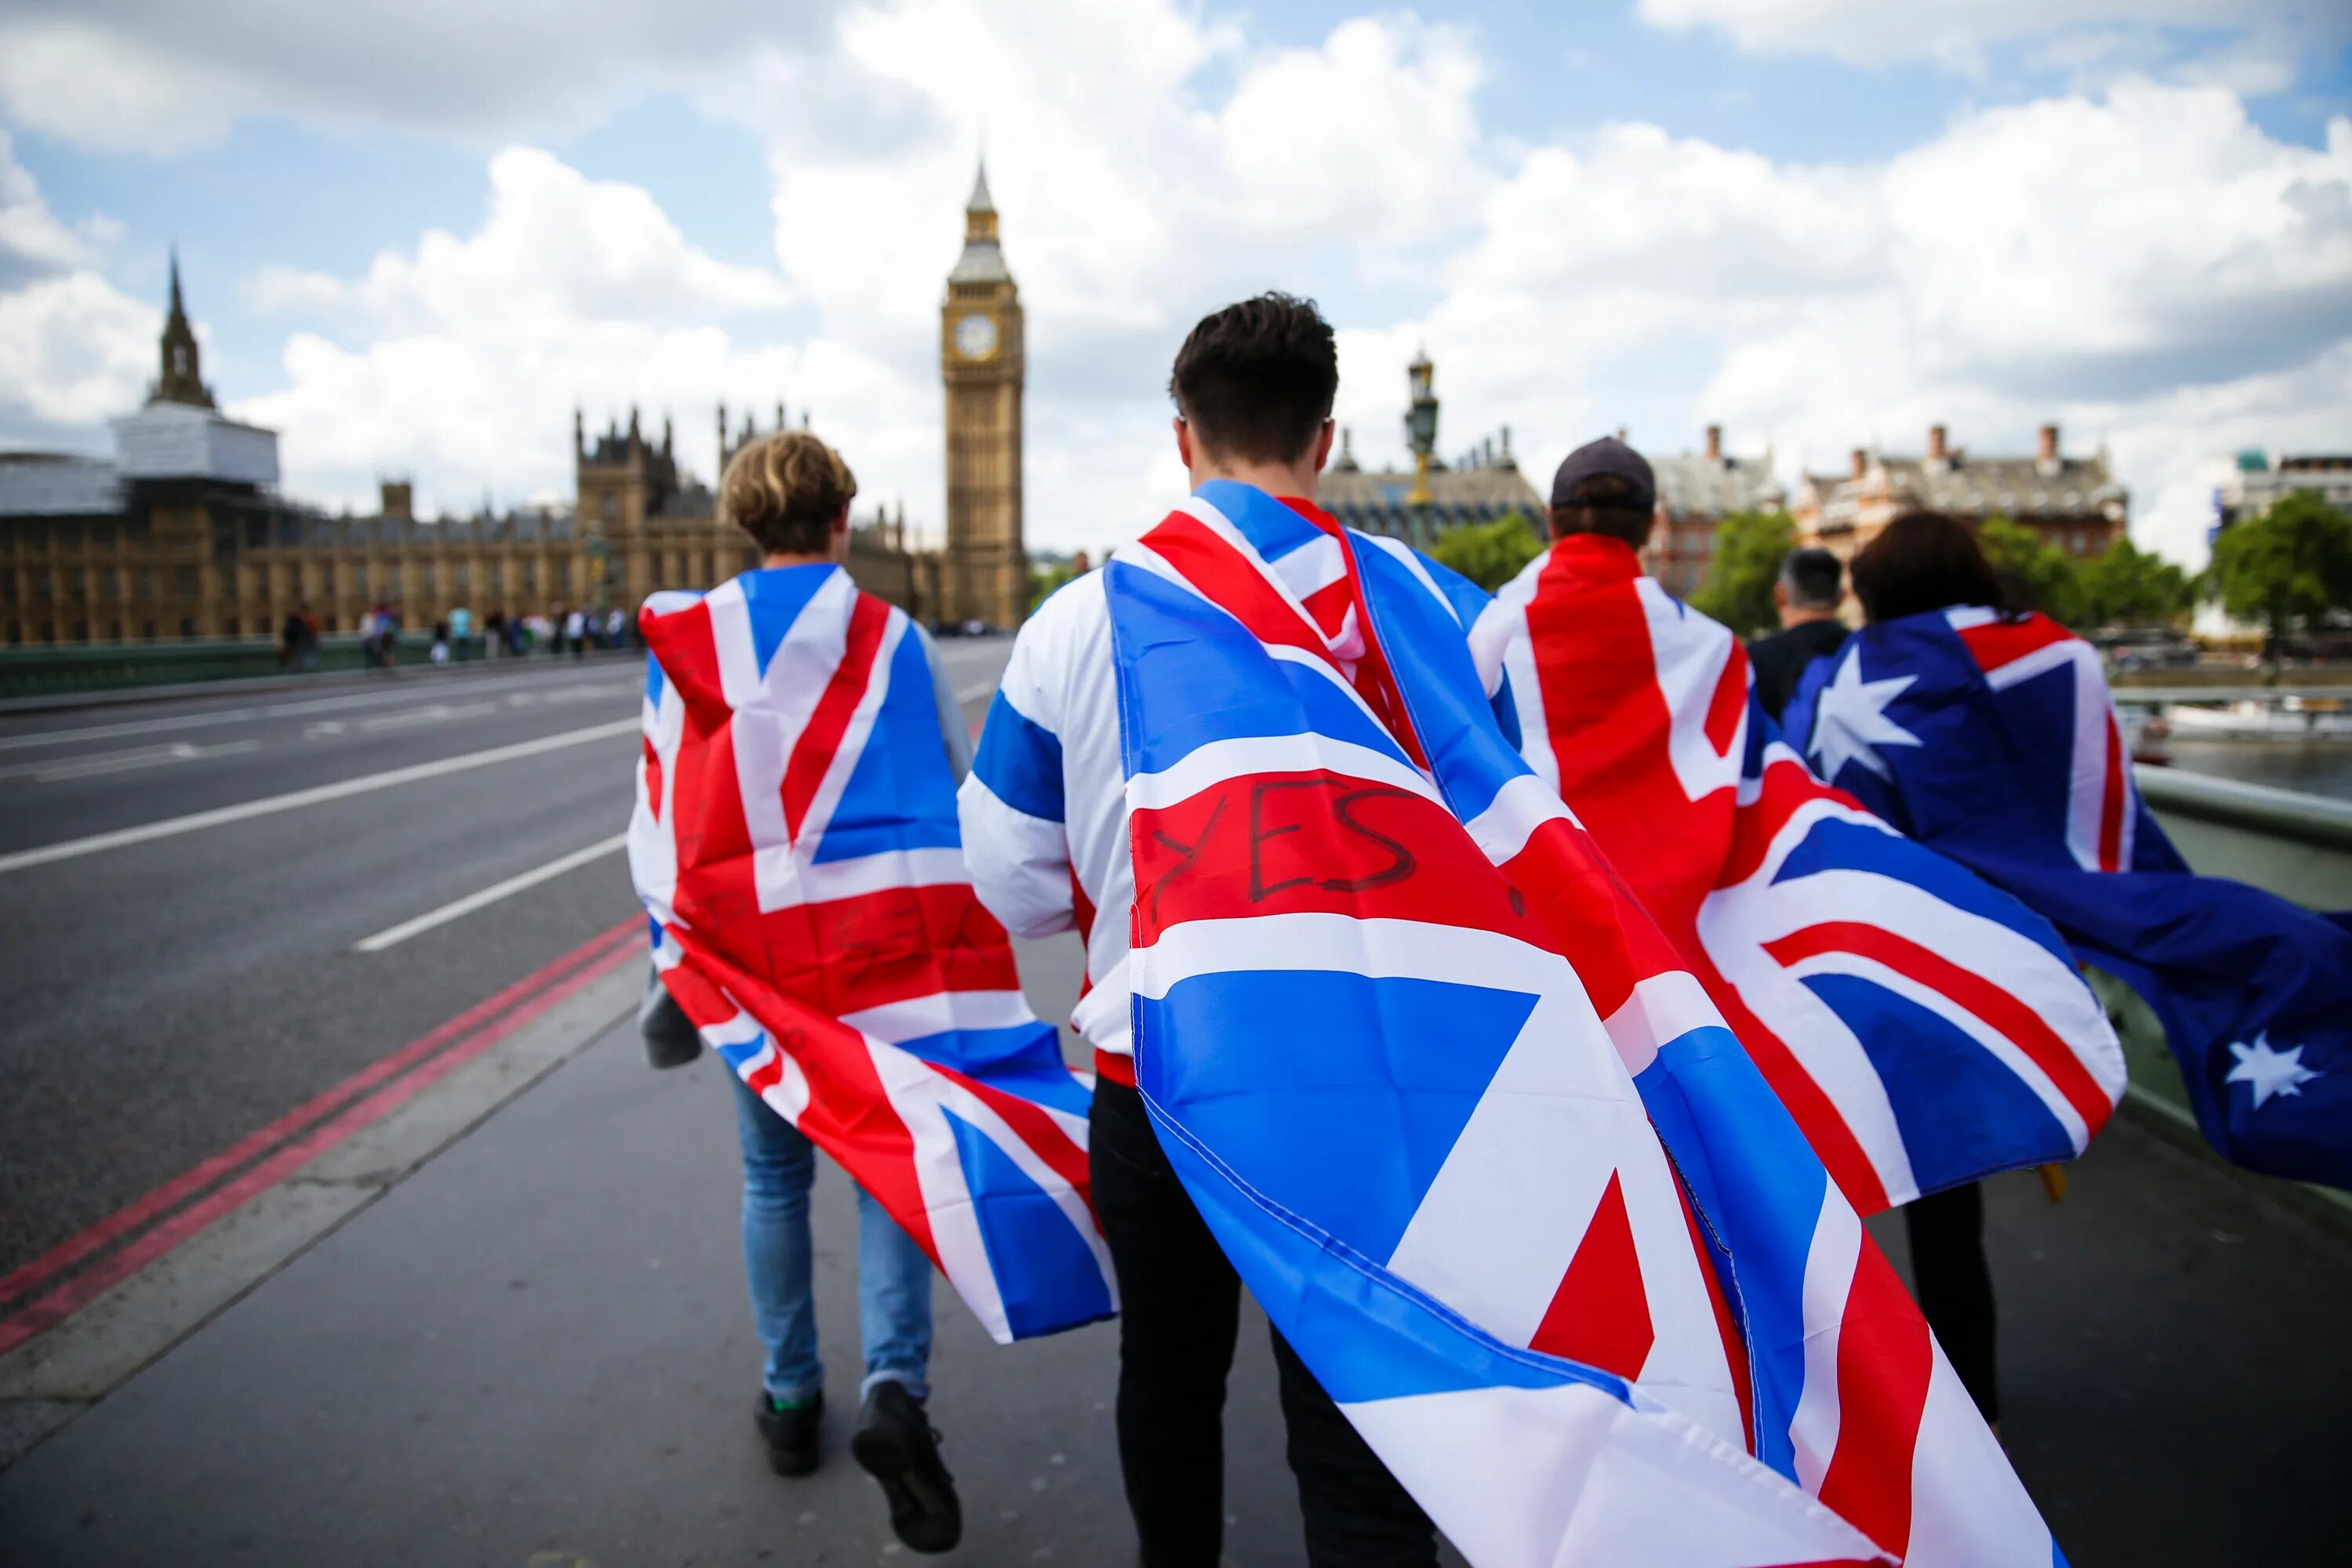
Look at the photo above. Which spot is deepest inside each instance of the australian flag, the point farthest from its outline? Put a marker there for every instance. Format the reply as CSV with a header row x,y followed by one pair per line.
x,y
795,843
1992,738
1475,1139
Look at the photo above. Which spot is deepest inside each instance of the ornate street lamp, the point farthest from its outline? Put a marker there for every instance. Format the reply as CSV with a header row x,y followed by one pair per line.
x,y
1421,435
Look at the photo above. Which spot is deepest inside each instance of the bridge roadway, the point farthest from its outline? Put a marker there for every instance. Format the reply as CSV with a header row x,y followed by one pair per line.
x,y
533,1350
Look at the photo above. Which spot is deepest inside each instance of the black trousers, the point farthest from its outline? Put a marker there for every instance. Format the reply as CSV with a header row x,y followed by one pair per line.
x,y
1947,1263
1180,1310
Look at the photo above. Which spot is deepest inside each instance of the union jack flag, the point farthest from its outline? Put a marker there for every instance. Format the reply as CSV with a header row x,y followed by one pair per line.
x,y
1992,738
1925,1028
795,843
1482,1149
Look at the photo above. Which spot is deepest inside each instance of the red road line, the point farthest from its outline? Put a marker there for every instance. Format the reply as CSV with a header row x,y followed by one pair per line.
x,y
47,1311
19,1281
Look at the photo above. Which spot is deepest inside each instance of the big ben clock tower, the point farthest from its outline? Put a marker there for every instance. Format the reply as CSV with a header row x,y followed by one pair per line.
x,y
986,574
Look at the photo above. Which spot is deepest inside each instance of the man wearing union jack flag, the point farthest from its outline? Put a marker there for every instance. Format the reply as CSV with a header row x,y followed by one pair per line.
x,y
1410,1059
794,841
1046,831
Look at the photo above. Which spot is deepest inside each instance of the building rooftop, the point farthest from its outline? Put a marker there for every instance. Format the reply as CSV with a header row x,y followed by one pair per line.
x,y
59,484
1693,484
1949,479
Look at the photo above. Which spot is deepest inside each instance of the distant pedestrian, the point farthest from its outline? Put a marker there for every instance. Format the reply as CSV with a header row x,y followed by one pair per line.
x,y
290,641
613,623
493,634
576,631
1810,583
441,641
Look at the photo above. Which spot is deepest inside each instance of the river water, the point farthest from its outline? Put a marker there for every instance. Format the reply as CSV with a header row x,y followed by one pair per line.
x,y
2314,767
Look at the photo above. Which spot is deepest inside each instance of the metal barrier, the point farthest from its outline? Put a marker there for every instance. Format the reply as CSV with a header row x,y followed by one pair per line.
x,y
107,667
2297,845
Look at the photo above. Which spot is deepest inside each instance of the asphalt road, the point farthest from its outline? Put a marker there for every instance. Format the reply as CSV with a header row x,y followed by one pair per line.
x,y
164,997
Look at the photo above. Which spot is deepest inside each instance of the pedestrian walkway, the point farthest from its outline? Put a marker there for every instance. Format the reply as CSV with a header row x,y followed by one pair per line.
x,y
536,1352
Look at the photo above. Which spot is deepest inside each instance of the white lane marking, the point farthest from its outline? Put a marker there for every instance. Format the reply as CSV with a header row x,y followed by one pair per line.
x,y
436,714
490,895
172,827
122,762
288,710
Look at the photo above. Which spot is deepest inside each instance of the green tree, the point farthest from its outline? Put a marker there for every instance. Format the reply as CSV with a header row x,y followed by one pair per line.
x,y
1044,580
1489,553
1748,549
2051,581
2293,562
2130,587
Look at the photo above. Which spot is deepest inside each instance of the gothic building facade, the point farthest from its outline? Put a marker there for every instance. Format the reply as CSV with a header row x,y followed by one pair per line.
x,y
184,533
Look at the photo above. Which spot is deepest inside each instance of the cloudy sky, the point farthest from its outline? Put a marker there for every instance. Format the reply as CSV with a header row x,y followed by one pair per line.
x,y
415,236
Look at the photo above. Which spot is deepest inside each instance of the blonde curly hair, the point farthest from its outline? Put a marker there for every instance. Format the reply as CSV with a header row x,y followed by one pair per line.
x,y
785,490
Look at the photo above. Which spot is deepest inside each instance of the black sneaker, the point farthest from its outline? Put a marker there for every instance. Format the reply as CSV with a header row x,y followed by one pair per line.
x,y
895,1444
791,1433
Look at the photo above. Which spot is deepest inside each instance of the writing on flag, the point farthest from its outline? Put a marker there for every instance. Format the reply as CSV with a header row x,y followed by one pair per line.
x,y
1484,1152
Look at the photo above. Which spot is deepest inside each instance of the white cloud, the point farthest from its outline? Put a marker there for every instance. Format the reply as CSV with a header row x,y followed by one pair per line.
x,y
32,239
2270,39
467,353
2141,263
160,76
555,247
74,349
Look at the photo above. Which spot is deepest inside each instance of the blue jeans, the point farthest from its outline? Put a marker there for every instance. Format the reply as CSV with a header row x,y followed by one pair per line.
x,y
894,1278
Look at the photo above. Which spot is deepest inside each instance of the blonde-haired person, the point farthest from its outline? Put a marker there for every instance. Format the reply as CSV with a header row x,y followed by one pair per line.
x,y
790,493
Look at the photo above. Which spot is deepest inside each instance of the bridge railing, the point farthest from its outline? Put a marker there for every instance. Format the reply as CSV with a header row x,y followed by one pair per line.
x,y
107,667
2297,845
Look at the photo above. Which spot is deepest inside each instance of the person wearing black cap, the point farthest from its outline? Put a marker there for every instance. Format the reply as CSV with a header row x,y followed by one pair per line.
x,y
1604,487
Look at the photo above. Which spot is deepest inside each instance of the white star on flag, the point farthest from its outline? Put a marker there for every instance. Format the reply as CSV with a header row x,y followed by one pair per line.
x,y
2268,1071
1851,720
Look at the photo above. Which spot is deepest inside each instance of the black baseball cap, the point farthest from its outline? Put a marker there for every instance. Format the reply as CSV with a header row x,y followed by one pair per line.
x,y
1611,457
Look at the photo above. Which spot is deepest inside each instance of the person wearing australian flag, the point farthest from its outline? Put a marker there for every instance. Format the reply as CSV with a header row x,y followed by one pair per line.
x,y
794,841
1045,820
1987,730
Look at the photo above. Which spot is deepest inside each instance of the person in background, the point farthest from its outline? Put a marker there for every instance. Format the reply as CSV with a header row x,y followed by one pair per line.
x,y
1810,583
290,641
441,641
1045,838
790,493
614,622
576,631
493,634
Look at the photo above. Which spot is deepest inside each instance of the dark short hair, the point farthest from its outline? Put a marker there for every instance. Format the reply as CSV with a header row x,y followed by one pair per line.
x,y
1256,380
1597,503
1924,562
1812,577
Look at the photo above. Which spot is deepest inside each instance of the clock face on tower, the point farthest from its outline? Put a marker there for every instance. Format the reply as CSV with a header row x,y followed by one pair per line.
x,y
975,336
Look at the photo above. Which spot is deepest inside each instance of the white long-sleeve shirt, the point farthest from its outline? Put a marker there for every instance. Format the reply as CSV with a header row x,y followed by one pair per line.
x,y
1044,810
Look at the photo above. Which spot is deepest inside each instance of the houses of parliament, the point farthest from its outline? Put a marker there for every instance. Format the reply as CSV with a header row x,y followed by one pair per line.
x,y
184,533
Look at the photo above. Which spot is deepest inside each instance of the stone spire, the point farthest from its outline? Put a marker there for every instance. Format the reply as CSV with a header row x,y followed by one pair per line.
x,y
982,261
181,377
